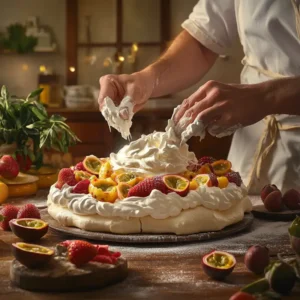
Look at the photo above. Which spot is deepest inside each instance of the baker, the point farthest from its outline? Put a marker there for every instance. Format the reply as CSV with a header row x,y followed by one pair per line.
x,y
265,106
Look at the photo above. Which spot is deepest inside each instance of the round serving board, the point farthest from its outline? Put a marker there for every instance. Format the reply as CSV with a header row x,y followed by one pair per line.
x,y
260,211
148,238
52,278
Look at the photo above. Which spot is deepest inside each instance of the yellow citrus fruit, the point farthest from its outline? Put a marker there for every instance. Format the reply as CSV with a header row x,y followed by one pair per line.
x,y
223,182
3,192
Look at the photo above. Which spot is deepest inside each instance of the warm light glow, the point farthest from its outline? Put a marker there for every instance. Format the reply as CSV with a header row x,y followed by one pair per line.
x,y
107,62
134,47
25,67
72,69
121,58
43,69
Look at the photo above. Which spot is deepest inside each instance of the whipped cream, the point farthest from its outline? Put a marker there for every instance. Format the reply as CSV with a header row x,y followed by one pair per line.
x,y
119,117
154,154
157,205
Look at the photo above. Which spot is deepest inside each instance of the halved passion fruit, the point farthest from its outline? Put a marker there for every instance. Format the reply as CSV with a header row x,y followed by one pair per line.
x,y
221,167
82,175
28,229
177,184
128,178
105,170
103,190
205,169
30,255
123,189
218,264
92,164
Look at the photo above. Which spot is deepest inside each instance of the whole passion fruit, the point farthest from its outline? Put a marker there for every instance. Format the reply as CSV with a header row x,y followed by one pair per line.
x,y
273,202
30,255
177,184
257,258
291,199
218,264
28,229
294,232
266,190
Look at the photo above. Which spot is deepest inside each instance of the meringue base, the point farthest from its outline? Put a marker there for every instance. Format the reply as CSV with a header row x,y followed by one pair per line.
x,y
193,220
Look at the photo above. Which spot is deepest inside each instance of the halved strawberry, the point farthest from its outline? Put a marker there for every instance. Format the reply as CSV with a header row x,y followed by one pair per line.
x,y
82,187
145,187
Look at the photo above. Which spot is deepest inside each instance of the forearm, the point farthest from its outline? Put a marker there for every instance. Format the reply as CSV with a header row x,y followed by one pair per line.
x,y
282,96
184,63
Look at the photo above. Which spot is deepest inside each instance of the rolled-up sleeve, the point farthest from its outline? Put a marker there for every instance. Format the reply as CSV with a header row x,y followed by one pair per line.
x,y
213,24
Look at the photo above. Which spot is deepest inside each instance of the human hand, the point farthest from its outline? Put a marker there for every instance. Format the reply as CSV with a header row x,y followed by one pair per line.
x,y
137,86
224,105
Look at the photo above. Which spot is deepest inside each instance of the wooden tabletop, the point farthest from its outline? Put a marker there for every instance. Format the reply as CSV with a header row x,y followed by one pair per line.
x,y
165,271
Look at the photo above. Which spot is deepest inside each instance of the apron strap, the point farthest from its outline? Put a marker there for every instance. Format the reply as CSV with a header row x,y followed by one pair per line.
x,y
265,145
297,16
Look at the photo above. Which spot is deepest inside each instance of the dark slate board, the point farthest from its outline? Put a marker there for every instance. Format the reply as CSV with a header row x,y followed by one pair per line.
x,y
260,211
148,238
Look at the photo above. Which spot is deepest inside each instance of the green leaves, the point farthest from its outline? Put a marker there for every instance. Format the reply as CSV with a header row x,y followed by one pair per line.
x,y
26,123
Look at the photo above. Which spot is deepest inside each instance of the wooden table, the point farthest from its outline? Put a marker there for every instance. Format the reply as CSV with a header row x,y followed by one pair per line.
x,y
165,271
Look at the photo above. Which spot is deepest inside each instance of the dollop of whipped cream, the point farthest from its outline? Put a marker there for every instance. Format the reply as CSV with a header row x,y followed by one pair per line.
x,y
154,154
119,117
157,205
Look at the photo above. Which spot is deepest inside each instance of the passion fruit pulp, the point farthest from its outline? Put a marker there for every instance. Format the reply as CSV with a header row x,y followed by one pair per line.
x,y
28,229
92,164
221,167
30,255
218,264
123,189
177,184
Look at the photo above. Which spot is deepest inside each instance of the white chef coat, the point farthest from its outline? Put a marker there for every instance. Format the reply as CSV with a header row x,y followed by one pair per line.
x,y
269,31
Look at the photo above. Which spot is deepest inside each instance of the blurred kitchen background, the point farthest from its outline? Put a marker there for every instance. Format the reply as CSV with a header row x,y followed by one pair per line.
x,y
65,46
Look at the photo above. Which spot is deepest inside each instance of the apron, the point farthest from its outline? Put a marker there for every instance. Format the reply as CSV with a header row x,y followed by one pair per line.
x,y
268,151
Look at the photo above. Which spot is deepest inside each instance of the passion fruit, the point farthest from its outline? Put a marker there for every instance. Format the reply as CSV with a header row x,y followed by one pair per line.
x,y
218,264
257,258
105,170
30,255
82,175
205,169
266,190
177,184
92,164
291,199
242,296
294,232
273,202
123,189
103,189
28,229
221,167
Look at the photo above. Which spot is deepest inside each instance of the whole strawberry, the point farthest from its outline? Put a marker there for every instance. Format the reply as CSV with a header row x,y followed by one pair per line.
x,y
9,168
67,176
82,187
81,252
7,213
145,187
29,211
205,160
234,177
24,162
80,167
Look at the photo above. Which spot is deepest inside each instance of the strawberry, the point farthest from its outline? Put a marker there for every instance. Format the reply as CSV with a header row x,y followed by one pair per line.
x,y
205,160
29,211
9,168
213,180
67,176
7,213
81,252
144,188
24,162
102,249
82,187
104,259
234,177
80,167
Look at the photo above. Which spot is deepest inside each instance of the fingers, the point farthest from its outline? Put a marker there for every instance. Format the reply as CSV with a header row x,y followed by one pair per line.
x,y
108,88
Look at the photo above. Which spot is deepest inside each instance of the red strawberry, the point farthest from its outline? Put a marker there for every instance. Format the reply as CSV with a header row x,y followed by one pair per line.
x,y
205,160
102,249
104,259
82,187
213,180
9,168
66,243
29,211
67,176
24,162
7,213
80,167
234,177
81,252
144,188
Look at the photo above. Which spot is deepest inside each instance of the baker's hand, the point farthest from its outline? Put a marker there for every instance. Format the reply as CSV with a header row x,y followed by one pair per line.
x,y
224,105
116,87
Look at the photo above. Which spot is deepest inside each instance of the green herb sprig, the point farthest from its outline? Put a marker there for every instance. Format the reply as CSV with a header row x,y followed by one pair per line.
x,y
26,123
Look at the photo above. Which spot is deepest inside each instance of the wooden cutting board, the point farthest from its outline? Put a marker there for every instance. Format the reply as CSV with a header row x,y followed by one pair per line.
x,y
55,278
